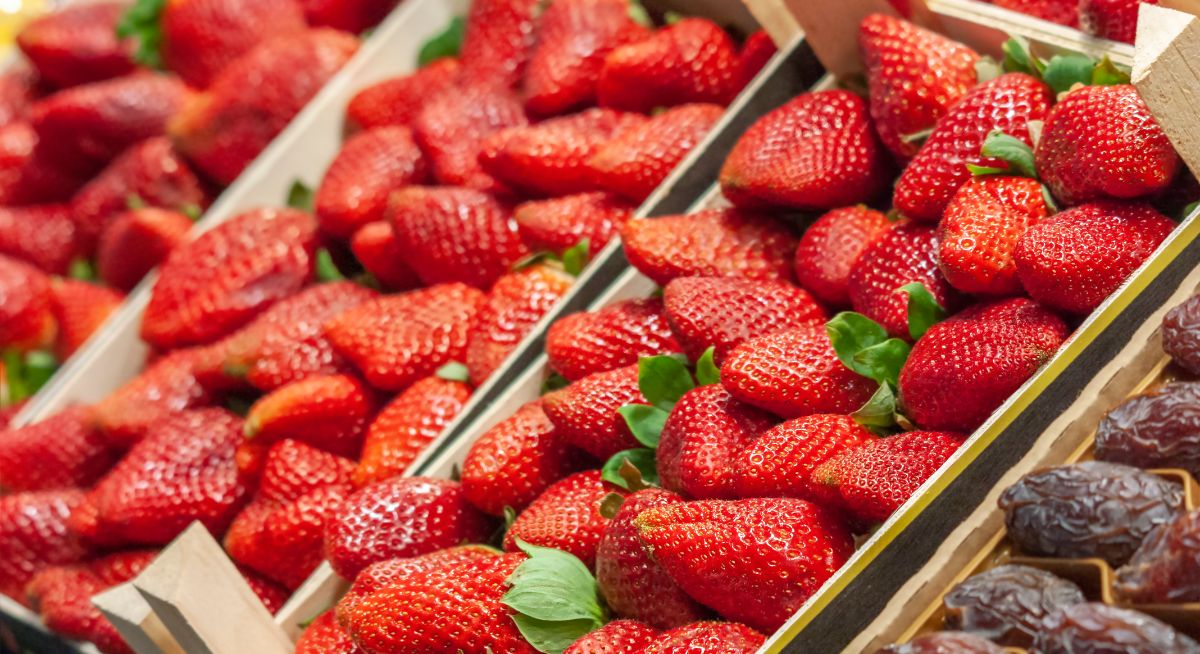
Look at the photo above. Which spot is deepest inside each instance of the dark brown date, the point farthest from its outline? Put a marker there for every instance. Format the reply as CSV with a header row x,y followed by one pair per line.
x,y
945,642
1007,605
1166,568
1089,509
1181,334
1160,429
1100,629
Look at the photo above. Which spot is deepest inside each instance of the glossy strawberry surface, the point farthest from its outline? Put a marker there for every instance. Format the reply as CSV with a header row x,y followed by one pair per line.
x,y
831,246
616,637
780,463
369,167
708,638
136,242
615,336
693,60
905,254
34,536
62,451
78,44
559,224
329,412
411,421
585,413
398,100
566,516
515,304
201,38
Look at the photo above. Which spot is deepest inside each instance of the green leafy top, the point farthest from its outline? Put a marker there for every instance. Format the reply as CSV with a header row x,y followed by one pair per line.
x,y
300,196
142,22
24,374
1062,71
572,261
556,599
446,43
325,268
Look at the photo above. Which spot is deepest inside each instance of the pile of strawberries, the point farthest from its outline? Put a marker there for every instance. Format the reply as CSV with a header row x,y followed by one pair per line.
x,y
1109,19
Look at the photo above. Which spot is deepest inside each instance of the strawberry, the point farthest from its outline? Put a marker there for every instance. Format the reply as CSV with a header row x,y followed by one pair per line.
x,y
151,171
702,437
511,464
941,385
325,636
513,307
719,243
29,174
979,232
876,479
78,44
272,595
385,573
166,387
223,279
42,235
616,637
693,60
26,318
453,127
138,241
182,471
906,253
780,463
1111,19
585,413
292,469
1102,142
80,309
1063,12
223,129
19,88
722,312
640,158
85,127
574,38
411,421
816,152
830,247
1005,104
915,75
455,235
368,168
793,373
376,248
498,41
615,336
559,224
329,412
551,158
397,340
202,38
34,536
708,638
400,517
717,552
566,516
354,16
424,613
1072,261
756,53
398,101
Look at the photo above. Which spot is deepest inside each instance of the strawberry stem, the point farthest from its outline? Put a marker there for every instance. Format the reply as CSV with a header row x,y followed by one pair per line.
x,y
143,23
447,43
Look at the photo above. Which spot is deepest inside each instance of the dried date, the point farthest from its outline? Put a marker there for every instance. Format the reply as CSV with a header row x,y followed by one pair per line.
x,y
1008,604
1181,334
1100,629
1089,509
945,642
1166,568
1160,429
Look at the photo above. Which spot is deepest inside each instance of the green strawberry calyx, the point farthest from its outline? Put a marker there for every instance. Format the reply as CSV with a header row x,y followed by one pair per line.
x,y
572,260
1061,72
446,43
143,22
301,196
1017,157
555,598
23,374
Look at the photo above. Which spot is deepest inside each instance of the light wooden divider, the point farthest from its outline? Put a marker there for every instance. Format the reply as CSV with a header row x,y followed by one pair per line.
x,y
1164,72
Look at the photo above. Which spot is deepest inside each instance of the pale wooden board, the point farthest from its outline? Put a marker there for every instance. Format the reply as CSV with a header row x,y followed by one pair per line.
x,y
831,29
776,19
137,623
1166,72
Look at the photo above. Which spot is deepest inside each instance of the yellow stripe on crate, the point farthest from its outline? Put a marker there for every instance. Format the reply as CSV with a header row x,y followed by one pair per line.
x,y
1187,232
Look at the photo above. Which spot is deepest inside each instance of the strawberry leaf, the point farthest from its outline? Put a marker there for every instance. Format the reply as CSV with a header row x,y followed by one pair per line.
x,y
663,380
1049,200
576,258
923,310
633,470
446,43
1018,58
611,504
83,270
453,371
300,196
554,382
192,210
879,413
645,422
985,171
883,362
639,15
1065,71
851,333
707,371
1012,151
1189,209
1106,73
555,597
143,23
326,270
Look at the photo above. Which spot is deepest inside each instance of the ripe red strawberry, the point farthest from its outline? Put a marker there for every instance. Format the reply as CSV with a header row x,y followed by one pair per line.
x,y
906,253
722,312
151,171
941,386
453,127
78,44
43,235
574,38
424,613
830,247
616,637
693,60
166,387
325,636
401,517
329,412
615,336
513,307
375,247
550,158
85,127
1111,19
719,243
400,432
80,309
708,638
62,451
585,413
1006,103
701,439
636,161
566,516
223,129
781,462
136,242
19,88
369,167
201,38
755,54
559,224
794,373
28,172
715,551
817,152
512,463
1102,142
915,75
876,479
397,340
398,101
26,318
292,469
353,16
34,536
1063,12
498,41
228,275
385,573
1072,261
